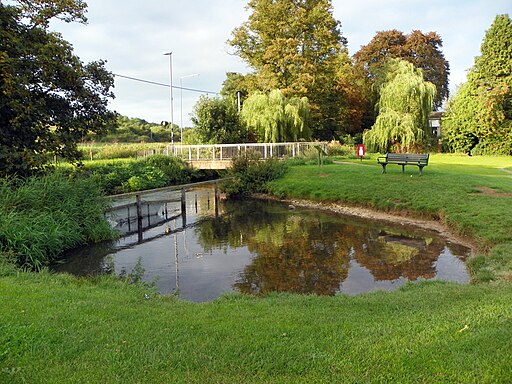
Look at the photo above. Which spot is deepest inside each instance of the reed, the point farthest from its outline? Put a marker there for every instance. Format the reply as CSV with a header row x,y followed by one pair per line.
x,y
42,217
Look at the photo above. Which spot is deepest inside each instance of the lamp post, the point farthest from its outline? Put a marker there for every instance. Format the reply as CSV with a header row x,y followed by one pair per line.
x,y
181,103
170,94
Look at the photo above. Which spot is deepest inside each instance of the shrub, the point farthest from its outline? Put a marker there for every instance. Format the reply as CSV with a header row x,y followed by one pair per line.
x,y
173,170
335,148
252,175
134,175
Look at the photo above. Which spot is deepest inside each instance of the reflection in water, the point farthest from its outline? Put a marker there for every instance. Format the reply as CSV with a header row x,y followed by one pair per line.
x,y
257,247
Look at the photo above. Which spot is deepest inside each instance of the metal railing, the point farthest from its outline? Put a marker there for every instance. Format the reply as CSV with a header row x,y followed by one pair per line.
x,y
216,152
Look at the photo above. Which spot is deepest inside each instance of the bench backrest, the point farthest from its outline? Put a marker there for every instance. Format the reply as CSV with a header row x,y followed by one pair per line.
x,y
408,157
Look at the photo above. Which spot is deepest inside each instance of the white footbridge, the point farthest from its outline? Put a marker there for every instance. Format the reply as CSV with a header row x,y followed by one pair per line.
x,y
219,156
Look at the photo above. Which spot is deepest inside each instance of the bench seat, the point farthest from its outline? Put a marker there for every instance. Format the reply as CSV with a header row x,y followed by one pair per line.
x,y
403,159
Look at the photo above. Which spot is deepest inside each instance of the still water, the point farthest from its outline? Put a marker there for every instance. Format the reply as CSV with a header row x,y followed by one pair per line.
x,y
255,246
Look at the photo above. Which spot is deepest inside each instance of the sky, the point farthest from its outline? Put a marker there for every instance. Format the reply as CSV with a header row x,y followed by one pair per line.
x,y
133,35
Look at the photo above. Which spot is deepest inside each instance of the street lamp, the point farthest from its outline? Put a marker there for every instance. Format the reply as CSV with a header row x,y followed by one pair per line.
x,y
170,94
181,103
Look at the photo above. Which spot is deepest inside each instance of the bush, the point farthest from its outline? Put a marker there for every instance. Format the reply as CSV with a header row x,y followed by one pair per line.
x,y
252,175
42,217
134,175
335,148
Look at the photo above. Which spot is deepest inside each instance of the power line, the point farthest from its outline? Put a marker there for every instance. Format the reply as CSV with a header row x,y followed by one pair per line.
x,y
164,85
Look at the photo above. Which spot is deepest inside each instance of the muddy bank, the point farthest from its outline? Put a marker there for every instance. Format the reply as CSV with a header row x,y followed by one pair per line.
x,y
370,214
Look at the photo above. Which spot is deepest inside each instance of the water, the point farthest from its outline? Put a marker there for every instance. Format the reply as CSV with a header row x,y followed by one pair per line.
x,y
257,246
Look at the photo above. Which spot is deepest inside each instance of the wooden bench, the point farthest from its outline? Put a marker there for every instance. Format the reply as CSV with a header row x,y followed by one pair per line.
x,y
403,159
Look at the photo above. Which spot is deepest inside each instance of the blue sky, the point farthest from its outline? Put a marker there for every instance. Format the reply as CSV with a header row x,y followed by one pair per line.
x,y
132,36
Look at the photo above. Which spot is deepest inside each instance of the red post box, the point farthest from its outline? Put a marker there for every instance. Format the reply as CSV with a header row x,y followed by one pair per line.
x,y
361,151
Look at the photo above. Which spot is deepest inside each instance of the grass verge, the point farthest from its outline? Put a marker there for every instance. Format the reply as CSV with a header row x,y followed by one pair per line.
x,y
67,330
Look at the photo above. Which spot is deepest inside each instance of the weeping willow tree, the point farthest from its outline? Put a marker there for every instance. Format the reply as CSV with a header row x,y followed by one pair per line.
x,y
405,102
276,118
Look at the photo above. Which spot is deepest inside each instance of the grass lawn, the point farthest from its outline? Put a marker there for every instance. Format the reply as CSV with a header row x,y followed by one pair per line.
x,y
60,329
57,329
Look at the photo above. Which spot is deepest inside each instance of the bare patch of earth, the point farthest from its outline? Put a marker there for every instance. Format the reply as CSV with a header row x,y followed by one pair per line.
x,y
491,192
370,214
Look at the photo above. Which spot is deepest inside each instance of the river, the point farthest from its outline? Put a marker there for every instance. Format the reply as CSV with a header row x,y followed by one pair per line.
x,y
256,246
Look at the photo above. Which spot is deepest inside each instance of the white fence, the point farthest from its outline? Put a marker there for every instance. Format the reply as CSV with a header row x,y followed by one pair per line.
x,y
216,152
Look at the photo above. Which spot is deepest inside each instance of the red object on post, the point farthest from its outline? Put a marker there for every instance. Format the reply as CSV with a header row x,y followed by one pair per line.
x,y
361,151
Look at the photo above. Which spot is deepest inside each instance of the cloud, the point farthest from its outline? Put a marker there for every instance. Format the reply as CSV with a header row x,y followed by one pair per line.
x,y
133,35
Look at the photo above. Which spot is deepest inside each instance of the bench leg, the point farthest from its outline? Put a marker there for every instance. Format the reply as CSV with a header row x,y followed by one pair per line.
x,y
403,168
383,168
421,170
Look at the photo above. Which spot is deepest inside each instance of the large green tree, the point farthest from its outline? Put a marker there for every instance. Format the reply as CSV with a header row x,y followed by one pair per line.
x,y
276,118
293,45
480,114
421,49
49,99
405,102
216,121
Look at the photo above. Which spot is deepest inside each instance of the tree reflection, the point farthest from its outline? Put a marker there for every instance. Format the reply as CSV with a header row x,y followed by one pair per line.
x,y
295,256
310,252
389,257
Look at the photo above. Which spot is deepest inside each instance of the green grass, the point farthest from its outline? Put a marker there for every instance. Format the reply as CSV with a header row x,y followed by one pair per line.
x,y
64,330
448,191
60,329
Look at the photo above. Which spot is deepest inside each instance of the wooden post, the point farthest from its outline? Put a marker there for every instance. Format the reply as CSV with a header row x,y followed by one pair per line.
x,y
139,217
183,207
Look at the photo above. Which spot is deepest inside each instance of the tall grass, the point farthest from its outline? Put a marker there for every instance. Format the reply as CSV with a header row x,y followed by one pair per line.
x,y
118,151
42,217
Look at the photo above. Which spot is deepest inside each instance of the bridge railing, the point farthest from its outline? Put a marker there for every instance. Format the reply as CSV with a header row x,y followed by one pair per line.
x,y
215,152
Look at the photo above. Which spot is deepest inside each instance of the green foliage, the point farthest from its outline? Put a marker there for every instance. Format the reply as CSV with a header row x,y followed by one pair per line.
x,y
295,46
460,122
276,118
423,50
404,105
42,11
50,99
347,149
94,151
134,175
479,117
216,122
42,217
134,130
253,175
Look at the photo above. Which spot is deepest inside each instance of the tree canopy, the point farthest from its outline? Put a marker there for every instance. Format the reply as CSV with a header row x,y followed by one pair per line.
x,y
480,114
275,118
293,45
216,121
404,105
50,99
421,49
